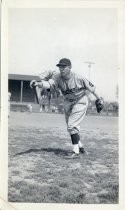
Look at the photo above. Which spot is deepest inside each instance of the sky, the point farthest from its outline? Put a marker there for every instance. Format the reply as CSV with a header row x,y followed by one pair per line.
x,y
39,38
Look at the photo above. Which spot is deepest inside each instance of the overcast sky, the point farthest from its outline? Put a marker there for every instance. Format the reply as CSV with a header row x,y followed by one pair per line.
x,y
39,38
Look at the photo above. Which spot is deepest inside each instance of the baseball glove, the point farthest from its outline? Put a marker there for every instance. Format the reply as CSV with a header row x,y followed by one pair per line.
x,y
99,104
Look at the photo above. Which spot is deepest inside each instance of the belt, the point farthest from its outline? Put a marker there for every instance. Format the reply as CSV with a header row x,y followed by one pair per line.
x,y
75,99
70,91
72,100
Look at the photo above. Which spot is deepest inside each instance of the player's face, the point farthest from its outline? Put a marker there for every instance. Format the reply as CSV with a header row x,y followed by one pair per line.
x,y
65,70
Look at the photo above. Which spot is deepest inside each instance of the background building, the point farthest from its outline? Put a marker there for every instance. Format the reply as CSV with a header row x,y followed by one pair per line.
x,y
22,95
19,87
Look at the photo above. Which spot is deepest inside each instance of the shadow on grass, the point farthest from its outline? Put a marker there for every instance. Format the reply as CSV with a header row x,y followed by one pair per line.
x,y
56,151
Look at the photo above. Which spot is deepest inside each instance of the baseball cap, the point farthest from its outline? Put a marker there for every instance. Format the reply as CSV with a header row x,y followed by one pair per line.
x,y
64,62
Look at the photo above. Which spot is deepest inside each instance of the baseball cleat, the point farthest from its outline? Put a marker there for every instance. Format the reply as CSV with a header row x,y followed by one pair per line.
x,y
73,156
83,151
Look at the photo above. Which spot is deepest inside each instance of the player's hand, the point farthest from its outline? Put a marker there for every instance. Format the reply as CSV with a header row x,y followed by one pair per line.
x,y
33,83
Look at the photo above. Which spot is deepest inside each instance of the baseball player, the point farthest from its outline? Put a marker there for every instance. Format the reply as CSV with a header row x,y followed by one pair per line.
x,y
73,88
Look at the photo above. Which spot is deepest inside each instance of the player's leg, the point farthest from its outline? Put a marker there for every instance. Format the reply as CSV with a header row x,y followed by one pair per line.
x,y
75,118
73,126
74,136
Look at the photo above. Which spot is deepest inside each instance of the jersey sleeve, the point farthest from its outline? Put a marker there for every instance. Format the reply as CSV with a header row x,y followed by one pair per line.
x,y
54,81
46,75
49,79
88,85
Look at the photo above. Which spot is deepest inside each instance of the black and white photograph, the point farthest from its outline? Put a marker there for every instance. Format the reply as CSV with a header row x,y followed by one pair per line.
x,y
62,105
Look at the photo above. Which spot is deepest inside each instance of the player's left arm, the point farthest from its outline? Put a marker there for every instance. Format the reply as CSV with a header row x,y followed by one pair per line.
x,y
90,87
95,94
99,102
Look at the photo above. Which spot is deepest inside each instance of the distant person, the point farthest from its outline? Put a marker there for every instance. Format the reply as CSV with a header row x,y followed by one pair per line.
x,y
9,96
42,105
53,108
30,108
73,88
41,109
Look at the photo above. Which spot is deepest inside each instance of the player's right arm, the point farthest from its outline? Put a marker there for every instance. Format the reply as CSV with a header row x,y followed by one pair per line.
x,y
43,84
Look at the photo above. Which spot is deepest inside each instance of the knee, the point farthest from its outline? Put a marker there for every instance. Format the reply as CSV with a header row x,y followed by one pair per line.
x,y
72,130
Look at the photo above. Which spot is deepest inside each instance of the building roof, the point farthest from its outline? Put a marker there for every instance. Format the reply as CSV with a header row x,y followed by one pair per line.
x,y
23,77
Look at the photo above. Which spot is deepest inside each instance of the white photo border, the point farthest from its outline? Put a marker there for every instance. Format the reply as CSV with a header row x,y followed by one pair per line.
x,y
6,4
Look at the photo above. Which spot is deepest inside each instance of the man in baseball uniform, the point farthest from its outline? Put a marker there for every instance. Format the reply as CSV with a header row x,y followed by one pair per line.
x,y
73,88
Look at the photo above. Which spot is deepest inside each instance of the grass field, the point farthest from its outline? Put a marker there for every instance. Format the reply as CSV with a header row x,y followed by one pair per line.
x,y
39,170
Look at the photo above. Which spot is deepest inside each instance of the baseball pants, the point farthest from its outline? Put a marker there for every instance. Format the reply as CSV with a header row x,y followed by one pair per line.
x,y
74,114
